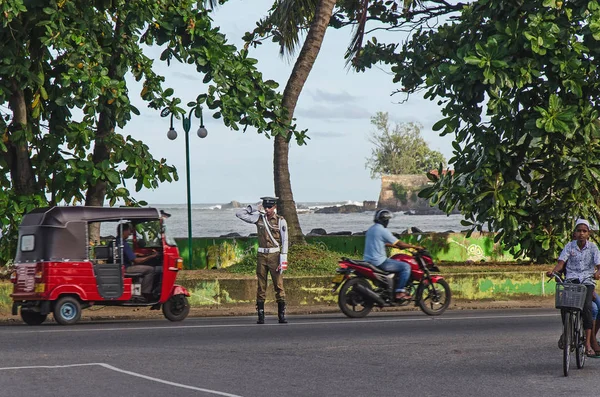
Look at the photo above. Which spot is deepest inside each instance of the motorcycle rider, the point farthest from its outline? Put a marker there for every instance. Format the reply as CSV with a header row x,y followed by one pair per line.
x,y
377,238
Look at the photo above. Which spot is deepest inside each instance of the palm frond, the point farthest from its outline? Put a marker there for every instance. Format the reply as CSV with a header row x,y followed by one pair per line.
x,y
292,17
361,14
359,32
210,4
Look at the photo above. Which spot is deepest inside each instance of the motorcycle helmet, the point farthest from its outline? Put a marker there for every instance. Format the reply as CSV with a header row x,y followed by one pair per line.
x,y
383,217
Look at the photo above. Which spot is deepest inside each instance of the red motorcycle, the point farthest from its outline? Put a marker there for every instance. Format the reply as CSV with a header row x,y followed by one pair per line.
x,y
364,286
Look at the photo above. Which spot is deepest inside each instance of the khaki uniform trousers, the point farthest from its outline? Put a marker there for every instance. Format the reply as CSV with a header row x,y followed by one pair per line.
x,y
268,263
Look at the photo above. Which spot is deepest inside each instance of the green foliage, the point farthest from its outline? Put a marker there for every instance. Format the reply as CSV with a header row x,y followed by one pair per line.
x,y
400,192
62,79
518,84
400,150
304,260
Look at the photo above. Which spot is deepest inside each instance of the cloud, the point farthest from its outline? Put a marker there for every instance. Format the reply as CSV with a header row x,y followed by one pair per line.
x,y
326,134
333,113
336,97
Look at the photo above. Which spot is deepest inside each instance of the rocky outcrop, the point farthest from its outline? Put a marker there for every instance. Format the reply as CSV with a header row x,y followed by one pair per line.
x,y
317,232
369,205
234,234
232,204
342,209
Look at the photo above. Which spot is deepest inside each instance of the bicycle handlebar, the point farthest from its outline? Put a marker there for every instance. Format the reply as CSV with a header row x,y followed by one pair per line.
x,y
557,277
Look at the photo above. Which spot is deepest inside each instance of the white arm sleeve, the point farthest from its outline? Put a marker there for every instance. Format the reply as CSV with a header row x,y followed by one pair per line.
x,y
249,214
283,231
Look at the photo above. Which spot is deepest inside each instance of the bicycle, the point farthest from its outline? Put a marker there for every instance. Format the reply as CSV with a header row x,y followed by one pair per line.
x,y
570,299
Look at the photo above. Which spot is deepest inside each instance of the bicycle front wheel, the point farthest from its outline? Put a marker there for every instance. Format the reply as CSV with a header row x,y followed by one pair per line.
x,y
568,338
579,340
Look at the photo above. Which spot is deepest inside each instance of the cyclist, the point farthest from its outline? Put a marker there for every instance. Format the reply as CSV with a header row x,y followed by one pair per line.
x,y
582,259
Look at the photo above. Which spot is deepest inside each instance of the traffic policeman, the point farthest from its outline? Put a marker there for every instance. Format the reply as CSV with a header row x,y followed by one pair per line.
x,y
272,252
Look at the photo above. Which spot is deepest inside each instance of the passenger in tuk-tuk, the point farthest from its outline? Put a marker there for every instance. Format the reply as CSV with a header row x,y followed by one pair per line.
x,y
135,263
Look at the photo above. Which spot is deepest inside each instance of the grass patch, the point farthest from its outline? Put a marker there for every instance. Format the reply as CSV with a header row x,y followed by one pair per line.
x,y
316,260
304,260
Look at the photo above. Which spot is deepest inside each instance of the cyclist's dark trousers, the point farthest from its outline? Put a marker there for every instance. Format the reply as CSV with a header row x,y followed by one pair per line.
x,y
586,313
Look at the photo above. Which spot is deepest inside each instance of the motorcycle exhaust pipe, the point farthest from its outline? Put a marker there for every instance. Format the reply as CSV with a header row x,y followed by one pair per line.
x,y
369,294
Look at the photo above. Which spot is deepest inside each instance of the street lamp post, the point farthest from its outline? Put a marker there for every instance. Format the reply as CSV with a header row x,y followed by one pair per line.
x,y
172,134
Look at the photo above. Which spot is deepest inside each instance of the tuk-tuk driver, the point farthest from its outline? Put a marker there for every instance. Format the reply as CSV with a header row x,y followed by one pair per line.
x,y
134,262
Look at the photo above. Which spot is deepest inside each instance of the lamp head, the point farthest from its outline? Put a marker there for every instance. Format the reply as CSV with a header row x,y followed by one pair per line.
x,y
172,134
202,132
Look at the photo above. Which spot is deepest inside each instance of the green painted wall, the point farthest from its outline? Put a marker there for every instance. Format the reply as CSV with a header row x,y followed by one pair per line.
x,y
216,253
317,290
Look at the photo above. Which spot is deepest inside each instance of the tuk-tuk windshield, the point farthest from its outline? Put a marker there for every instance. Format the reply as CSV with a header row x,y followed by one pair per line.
x,y
148,234
168,239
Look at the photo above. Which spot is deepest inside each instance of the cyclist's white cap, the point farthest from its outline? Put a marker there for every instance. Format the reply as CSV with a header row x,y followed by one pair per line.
x,y
582,222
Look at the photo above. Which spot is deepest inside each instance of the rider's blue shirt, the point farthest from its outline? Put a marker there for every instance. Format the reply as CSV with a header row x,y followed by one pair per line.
x,y
580,262
128,254
375,240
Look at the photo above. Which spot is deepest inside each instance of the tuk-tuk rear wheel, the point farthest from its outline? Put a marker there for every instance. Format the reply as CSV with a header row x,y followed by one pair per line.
x,y
31,317
176,308
67,310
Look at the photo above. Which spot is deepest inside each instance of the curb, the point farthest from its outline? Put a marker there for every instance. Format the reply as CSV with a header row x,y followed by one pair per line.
x,y
125,314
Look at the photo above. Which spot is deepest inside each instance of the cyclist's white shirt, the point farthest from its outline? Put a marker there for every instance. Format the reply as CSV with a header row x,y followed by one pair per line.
x,y
581,262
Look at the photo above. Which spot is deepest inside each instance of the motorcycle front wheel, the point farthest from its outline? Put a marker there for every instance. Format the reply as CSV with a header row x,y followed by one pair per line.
x,y
352,303
434,298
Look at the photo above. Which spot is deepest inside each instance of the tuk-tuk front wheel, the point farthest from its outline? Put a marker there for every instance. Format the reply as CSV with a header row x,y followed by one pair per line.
x,y
67,310
31,317
176,308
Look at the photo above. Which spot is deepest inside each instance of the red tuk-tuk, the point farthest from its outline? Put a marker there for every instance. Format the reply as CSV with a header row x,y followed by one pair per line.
x,y
58,270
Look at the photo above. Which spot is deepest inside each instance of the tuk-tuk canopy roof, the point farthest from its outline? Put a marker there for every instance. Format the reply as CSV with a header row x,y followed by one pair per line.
x,y
61,233
61,216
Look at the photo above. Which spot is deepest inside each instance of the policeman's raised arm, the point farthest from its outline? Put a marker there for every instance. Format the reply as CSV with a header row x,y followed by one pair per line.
x,y
249,214
283,232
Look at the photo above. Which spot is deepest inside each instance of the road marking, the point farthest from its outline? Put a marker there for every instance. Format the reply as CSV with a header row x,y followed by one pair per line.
x,y
292,324
107,366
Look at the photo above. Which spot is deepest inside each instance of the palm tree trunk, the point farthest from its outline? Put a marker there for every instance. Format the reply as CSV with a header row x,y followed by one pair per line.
x,y
302,67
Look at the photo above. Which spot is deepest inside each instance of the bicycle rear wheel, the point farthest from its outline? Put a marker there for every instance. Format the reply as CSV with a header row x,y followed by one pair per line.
x,y
579,340
568,338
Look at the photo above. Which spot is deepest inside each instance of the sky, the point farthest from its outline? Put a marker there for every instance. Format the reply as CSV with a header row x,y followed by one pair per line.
x,y
335,106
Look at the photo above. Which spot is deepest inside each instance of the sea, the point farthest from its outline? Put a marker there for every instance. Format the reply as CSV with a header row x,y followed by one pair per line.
x,y
215,220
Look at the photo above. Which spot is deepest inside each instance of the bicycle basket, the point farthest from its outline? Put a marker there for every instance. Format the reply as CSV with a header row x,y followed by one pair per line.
x,y
570,296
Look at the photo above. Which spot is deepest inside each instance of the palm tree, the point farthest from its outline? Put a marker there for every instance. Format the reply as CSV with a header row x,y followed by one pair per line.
x,y
291,15
286,21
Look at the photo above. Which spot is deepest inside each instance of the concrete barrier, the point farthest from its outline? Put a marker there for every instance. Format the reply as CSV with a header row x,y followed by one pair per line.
x,y
317,290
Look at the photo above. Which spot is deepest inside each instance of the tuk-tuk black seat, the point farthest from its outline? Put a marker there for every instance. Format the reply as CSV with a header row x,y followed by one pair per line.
x,y
103,252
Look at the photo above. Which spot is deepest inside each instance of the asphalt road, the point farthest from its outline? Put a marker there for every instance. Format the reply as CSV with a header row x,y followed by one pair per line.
x,y
462,353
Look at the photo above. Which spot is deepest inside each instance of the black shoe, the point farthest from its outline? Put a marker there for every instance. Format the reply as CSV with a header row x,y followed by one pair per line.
x,y
561,342
155,306
260,310
281,312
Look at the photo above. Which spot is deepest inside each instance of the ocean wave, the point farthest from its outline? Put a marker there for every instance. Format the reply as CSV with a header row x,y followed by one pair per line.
x,y
316,206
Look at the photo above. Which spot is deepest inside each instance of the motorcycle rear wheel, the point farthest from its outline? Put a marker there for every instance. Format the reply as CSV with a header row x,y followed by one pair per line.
x,y
434,303
351,303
